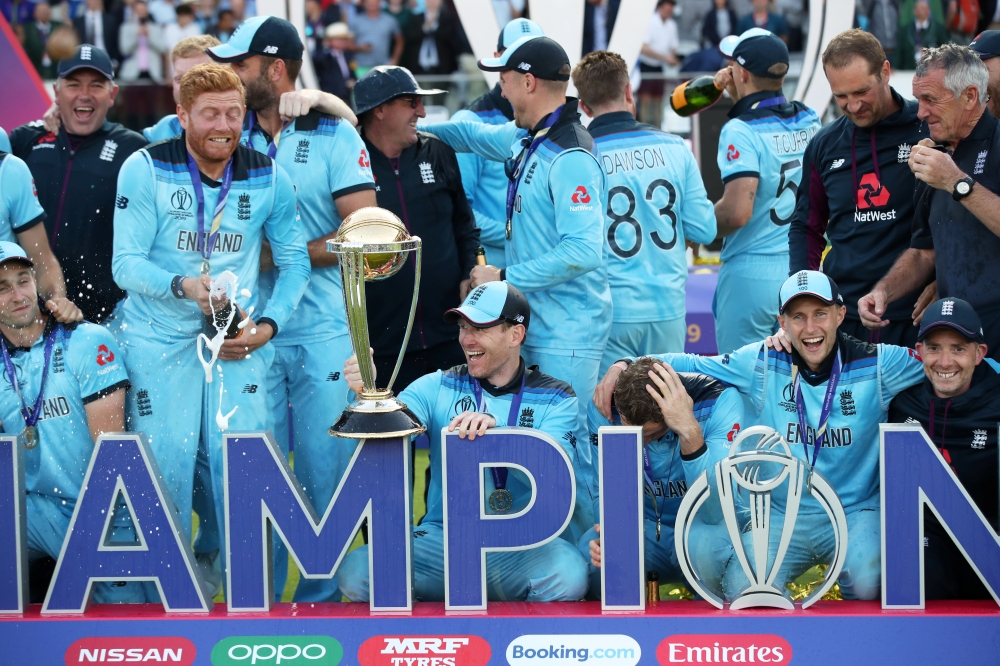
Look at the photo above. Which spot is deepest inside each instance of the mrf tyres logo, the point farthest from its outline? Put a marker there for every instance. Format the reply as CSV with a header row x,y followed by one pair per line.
x,y
872,194
174,650
566,649
424,651
724,649
274,650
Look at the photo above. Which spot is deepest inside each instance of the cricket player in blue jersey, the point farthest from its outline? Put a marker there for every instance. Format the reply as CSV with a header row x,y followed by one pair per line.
x,y
493,323
816,365
485,181
656,202
760,157
326,160
189,209
64,385
688,424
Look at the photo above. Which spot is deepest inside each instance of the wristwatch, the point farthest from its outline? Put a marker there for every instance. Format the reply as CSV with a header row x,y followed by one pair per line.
x,y
962,188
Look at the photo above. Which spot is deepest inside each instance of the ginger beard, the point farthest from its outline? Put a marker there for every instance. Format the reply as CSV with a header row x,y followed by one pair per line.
x,y
213,125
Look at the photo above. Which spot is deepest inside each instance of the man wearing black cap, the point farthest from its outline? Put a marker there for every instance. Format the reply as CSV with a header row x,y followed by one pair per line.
x,y
417,178
987,47
958,406
76,172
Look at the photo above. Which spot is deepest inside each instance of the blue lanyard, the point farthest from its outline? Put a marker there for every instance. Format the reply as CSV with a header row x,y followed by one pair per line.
x,y
770,101
500,473
514,171
272,148
205,245
647,470
32,415
824,415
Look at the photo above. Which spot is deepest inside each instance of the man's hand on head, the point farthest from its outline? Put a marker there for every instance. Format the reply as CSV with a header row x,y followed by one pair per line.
x,y
605,390
469,424
779,341
676,406
483,274
64,310
934,167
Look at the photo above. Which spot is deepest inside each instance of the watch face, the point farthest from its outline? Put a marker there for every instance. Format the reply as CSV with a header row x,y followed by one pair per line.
x,y
963,187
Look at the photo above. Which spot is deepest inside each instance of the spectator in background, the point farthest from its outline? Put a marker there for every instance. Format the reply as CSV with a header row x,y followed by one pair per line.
x,y
36,35
796,15
938,11
881,18
314,28
16,12
987,47
142,44
100,28
763,17
508,10
431,41
204,15
400,11
162,11
223,29
718,23
599,18
922,33
658,48
377,38
186,25
333,63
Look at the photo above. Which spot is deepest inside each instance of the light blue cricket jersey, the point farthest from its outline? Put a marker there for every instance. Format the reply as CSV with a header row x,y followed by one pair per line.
x,y
656,201
325,159
718,409
556,253
19,207
767,143
156,237
546,404
166,128
871,377
85,366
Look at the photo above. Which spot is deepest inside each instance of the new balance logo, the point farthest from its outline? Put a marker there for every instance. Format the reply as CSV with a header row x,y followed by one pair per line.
x,y
249,388
121,202
108,151
271,50
419,533
836,164
426,173
571,438
524,66
333,376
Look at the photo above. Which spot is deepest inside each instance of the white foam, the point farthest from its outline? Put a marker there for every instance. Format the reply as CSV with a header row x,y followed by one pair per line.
x,y
222,420
223,286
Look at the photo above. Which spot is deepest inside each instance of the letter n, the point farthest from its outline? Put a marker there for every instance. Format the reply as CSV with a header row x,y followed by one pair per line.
x,y
622,539
914,475
262,493
13,528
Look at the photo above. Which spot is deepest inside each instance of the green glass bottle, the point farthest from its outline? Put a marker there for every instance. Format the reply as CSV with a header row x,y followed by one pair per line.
x,y
695,95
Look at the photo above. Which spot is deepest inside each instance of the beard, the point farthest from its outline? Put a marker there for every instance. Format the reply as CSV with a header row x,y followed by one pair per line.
x,y
259,93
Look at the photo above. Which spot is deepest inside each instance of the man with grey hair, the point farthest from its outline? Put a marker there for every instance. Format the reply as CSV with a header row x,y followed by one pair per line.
x,y
956,221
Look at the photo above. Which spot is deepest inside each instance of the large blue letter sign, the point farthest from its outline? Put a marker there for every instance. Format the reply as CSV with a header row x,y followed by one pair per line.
x,y
469,532
124,465
914,474
622,539
262,492
13,528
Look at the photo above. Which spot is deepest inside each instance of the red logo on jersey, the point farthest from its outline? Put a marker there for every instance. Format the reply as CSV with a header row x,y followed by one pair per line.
x,y
872,194
914,354
34,190
581,196
732,153
363,160
732,433
104,355
47,138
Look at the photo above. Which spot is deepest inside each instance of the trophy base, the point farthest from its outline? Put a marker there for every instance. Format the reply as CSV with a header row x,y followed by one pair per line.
x,y
762,600
378,417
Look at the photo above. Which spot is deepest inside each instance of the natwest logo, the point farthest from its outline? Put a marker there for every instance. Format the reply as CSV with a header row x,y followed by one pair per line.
x,y
424,651
104,355
363,161
724,649
871,194
131,649
581,196
732,153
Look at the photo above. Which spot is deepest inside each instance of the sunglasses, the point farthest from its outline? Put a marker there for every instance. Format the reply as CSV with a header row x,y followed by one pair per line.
x,y
412,99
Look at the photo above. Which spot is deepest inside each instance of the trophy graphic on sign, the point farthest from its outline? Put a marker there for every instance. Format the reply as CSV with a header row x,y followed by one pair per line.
x,y
761,472
371,245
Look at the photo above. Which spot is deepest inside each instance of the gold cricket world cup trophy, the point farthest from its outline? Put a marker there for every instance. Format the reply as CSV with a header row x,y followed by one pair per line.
x,y
373,245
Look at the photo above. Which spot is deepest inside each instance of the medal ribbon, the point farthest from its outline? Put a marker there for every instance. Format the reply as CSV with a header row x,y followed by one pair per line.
x,y
272,148
514,174
205,245
824,415
500,473
32,415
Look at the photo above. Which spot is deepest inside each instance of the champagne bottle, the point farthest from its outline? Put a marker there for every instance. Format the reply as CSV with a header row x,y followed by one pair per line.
x,y
652,588
695,95
218,320
480,256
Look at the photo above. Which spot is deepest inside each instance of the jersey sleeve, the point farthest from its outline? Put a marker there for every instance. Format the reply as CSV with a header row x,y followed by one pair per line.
x,y
575,182
491,230
136,226
807,231
697,213
348,174
284,231
492,142
722,426
899,368
739,155
18,189
96,362
420,397
736,368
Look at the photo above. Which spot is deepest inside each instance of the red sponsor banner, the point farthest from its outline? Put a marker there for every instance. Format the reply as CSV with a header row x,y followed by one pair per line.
x,y
174,650
724,649
424,651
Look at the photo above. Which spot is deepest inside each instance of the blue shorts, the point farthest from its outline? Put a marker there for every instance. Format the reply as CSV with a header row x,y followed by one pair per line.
x,y
633,340
746,299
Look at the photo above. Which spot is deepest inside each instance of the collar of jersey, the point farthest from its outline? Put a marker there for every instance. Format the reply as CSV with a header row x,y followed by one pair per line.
x,y
100,133
606,119
49,325
569,114
513,386
983,128
746,103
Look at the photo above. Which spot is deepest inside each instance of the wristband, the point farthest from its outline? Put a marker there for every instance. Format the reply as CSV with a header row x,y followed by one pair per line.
x,y
271,322
177,286
503,274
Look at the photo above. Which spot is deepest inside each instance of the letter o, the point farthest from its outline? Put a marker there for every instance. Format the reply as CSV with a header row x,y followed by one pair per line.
x,y
529,653
305,651
246,656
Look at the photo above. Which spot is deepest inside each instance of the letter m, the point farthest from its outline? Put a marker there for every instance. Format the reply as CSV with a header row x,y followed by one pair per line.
x,y
915,475
262,493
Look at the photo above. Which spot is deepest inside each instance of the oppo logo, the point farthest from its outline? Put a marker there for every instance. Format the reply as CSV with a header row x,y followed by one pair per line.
x,y
125,649
274,650
424,651
724,649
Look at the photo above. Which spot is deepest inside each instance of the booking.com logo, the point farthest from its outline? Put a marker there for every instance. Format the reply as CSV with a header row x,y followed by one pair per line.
x,y
566,649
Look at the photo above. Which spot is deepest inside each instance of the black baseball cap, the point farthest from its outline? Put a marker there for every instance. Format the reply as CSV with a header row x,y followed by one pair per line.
x,y
541,56
986,44
953,313
384,83
492,303
261,35
757,51
809,283
87,56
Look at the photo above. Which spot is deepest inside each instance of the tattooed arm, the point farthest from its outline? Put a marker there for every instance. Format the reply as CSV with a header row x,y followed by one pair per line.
x,y
734,209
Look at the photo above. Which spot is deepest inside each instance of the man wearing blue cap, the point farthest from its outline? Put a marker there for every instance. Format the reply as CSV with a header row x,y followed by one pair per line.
x,y
503,390
826,393
987,47
760,157
484,180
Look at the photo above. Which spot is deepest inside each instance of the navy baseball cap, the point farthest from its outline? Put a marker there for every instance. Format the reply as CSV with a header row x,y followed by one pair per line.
x,y
758,51
953,313
540,56
986,44
384,83
515,30
87,56
809,283
13,252
261,35
492,303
